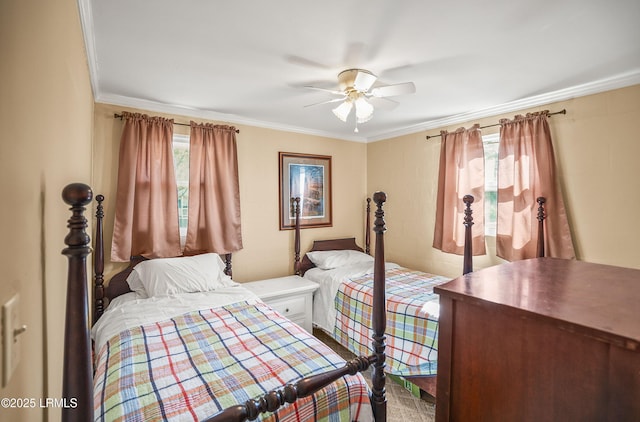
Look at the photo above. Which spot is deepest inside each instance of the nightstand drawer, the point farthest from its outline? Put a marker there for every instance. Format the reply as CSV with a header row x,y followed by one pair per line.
x,y
292,296
289,307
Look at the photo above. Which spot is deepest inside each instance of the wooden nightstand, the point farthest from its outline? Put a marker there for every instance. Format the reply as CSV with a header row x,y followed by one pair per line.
x,y
292,296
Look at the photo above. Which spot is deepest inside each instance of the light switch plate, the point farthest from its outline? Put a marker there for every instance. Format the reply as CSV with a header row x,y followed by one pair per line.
x,y
10,343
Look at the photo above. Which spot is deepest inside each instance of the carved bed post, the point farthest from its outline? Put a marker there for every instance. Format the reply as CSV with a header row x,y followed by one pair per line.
x,y
227,264
98,262
272,400
77,381
295,206
541,216
467,265
379,317
367,232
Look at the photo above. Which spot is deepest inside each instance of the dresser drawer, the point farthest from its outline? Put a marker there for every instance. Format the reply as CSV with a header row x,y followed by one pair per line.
x,y
289,306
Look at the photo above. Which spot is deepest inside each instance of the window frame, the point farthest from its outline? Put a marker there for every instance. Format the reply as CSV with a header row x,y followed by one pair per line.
x,y
490,143
182,141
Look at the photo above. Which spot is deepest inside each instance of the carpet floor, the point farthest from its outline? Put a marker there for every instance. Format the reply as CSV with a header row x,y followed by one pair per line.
x,y
402,406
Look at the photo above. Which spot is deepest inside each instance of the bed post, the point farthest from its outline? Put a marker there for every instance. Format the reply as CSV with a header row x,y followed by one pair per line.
x,y
467,265
379,317
273,400
77,378
367,231
227,264
295,206
541,216
98,262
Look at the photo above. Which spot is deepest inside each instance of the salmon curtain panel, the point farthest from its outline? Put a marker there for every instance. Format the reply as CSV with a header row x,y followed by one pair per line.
x,y
214,191
146,220
461,173
526,171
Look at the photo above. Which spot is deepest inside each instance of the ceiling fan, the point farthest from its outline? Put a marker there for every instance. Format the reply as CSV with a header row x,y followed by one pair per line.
x,y
356,92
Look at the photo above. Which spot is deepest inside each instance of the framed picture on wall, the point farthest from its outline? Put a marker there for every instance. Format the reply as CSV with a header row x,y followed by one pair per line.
x,y
307,177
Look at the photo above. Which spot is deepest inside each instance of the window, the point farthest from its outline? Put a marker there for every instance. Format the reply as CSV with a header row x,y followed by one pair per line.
x,y
490,144
181,167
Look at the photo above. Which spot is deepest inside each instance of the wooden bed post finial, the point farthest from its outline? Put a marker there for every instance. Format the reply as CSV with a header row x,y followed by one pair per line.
x,y
78,195
379,317
467,265
541,216
77,383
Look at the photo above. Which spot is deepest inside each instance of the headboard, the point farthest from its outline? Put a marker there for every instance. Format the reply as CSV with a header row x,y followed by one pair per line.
x,y
328,245
118,284
305,264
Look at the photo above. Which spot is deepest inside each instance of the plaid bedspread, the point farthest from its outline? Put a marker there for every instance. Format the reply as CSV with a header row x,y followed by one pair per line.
x,y
412,320
192,366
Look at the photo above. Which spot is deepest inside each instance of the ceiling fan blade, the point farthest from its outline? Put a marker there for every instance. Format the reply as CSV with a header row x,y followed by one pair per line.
x,y
331,91
364,81
383,103
303,61
335,100
393,90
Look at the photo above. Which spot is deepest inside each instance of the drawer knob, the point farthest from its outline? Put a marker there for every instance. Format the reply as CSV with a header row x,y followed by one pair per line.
x,y
286,310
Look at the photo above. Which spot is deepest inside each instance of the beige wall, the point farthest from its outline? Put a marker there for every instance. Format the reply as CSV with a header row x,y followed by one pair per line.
x,y
46,119
48,122
597,149
268,252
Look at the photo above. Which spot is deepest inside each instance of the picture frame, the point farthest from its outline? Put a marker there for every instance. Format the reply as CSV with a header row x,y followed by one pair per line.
x,y
308,177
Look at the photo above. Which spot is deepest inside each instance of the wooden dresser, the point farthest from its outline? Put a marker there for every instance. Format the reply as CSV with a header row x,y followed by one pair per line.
x,y
540,340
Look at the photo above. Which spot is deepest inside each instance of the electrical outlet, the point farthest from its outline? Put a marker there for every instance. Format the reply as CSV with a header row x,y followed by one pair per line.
x,y
12,329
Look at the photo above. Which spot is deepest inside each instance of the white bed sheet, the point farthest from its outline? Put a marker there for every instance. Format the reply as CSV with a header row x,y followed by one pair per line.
x,y
131,311
324,310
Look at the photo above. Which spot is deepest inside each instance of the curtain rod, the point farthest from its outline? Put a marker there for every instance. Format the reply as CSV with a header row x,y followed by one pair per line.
x,y
563,111
119,116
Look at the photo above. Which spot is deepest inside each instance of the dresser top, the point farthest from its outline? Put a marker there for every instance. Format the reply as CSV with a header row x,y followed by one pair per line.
x,y
585,296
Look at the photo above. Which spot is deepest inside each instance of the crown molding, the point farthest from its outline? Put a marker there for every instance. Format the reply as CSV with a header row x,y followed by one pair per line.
x,y
86,21
608,84
158,107
619,81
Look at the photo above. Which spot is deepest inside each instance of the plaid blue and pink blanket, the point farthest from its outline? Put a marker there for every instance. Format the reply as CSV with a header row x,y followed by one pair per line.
x,y
412,319
192,366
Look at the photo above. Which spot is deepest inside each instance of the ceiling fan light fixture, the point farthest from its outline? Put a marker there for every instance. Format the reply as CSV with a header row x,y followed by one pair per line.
x,y
356,89
343,110
364,110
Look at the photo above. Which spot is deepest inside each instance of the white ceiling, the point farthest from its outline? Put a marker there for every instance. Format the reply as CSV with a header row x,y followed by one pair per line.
x,y
247,61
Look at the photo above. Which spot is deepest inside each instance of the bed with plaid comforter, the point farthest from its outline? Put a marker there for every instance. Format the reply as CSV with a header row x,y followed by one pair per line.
x,y
192,366
412,319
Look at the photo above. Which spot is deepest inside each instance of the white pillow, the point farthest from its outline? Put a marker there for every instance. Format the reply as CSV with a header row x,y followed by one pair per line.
x,y
167,276
328,260
134,282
